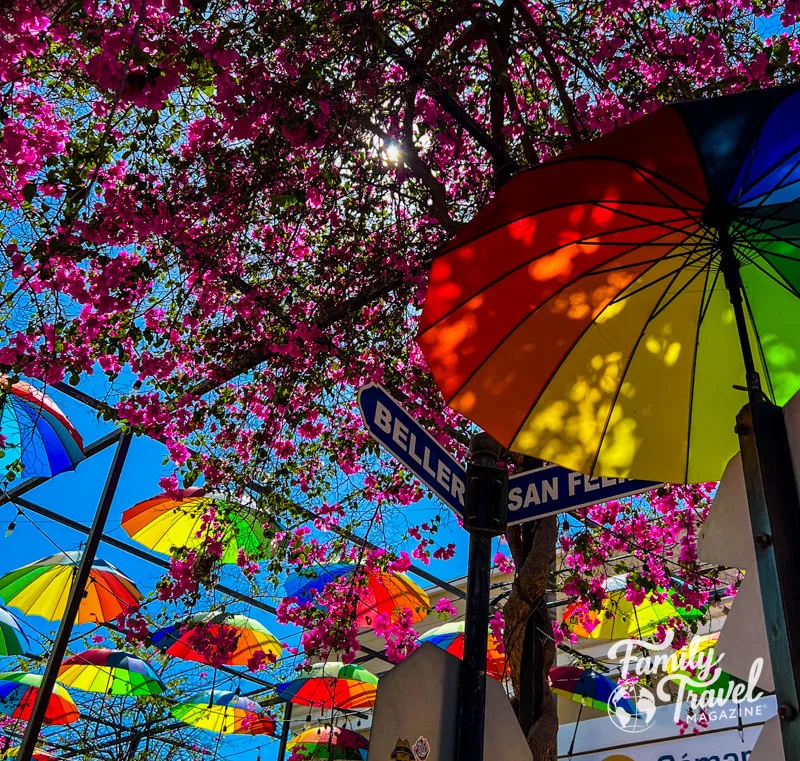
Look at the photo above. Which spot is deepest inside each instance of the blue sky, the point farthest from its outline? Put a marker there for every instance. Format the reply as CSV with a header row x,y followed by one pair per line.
x,y
76,495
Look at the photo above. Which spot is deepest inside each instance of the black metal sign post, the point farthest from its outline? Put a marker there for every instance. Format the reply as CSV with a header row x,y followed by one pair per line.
x,y
484,518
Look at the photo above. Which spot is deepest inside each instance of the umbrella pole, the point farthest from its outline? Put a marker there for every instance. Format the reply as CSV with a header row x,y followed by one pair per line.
x,y
774,507
484,518
76,593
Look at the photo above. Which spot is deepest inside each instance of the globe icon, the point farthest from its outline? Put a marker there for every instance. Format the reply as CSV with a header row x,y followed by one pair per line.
x,y
631,707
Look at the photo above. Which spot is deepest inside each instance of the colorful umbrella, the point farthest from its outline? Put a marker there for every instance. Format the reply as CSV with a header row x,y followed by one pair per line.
x,y
41,589
332,685
585,315
12,639
620,618
450,637
37,432
217,711
336,743
251,636
18,692
38,754
112,672
257,726
587,687
166,522
378,592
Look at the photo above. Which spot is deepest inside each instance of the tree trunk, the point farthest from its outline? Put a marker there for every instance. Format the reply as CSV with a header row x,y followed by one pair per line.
x,y
527,599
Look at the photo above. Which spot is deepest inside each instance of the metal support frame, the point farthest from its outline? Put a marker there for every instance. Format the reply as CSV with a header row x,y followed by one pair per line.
x,y
76,594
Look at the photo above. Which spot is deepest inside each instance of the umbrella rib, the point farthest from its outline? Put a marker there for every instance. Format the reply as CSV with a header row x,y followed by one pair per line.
x,y
782,282
694,367
630,359
627,294
701,203
553,373
586,240
706,266
777,185
528,315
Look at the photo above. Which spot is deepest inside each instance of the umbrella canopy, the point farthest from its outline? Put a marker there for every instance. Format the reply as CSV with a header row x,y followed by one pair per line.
x,y
585,316
332,685
450,637
37,433
251,636
166,522
12,639
217,711
41,589
38,754
336,743
257,726
587,687
18,692
112,672
620,618
381,592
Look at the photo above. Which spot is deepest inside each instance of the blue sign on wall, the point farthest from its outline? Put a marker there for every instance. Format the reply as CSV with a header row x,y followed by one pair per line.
x,y
533,494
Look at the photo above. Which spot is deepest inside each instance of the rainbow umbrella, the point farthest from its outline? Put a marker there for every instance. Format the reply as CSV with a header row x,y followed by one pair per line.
x,y
332,685
336,743
378,591
450,637
41,589
587,687
258,725
37,432
217,711
112,672
12,639
251,636
18,692
606,308
38,754
620,618
164,523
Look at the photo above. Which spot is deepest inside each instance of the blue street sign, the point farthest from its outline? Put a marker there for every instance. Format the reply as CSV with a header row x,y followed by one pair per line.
x,y
398,433
553,489
531,495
